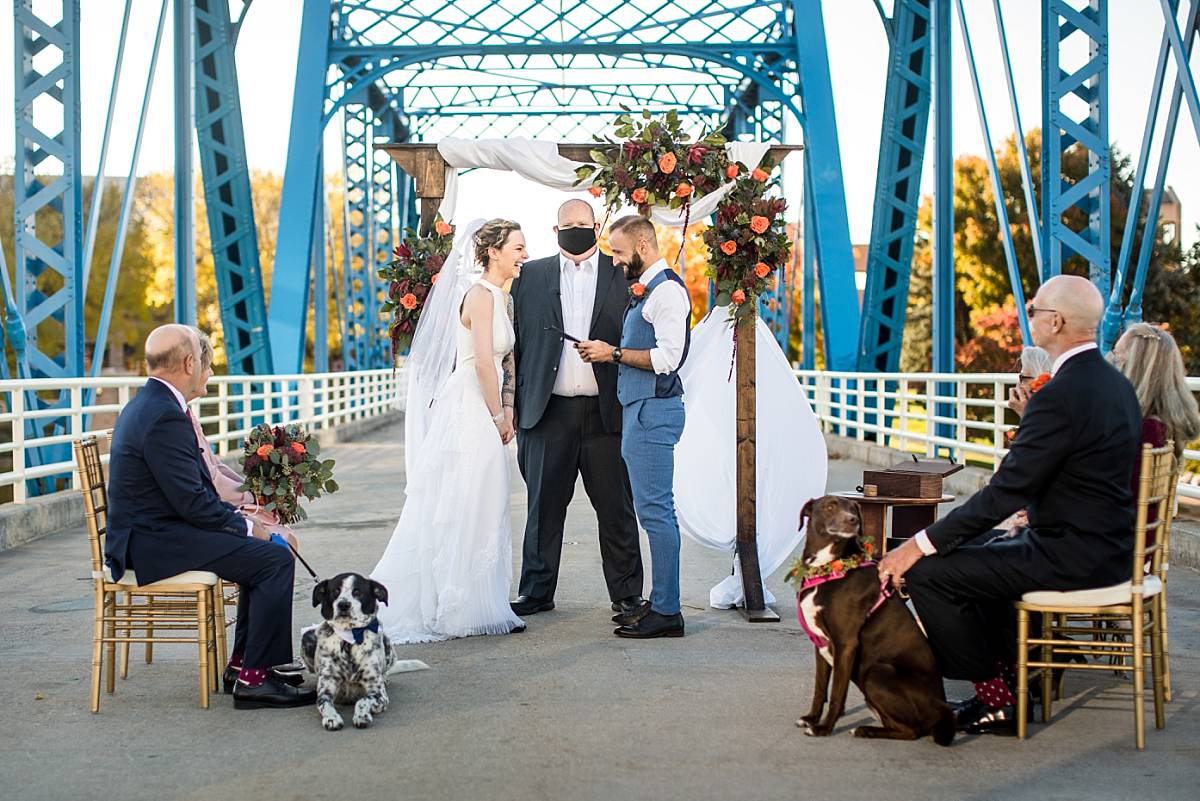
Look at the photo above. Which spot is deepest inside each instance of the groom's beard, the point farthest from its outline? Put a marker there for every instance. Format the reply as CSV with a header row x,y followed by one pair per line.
x,y
635,267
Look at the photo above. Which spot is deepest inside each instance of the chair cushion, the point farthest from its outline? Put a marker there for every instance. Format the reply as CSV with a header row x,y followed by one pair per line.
x,y
1099,596
129,579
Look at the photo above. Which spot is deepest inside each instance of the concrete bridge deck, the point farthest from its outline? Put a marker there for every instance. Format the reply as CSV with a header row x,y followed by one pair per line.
x,y
563,711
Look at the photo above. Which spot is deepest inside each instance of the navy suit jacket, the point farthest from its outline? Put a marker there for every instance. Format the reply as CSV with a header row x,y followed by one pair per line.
x,y
164,515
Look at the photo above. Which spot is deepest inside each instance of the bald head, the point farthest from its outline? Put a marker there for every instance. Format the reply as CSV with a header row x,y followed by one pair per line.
x,y
576,212
1066,312
168,346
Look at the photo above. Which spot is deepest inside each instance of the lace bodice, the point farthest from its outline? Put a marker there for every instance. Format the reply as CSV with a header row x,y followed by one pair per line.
x,y
503,336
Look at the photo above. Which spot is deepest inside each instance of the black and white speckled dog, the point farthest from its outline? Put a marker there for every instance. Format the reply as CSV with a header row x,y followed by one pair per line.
x,y
349,654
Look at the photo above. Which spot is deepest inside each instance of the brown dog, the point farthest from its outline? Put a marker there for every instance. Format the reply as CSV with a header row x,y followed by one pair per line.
x,y
863,635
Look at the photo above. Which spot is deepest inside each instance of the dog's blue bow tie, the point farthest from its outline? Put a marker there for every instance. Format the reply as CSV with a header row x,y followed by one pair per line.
x,y
360,631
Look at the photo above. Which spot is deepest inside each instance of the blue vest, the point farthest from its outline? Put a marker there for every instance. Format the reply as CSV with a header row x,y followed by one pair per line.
x,y
634,384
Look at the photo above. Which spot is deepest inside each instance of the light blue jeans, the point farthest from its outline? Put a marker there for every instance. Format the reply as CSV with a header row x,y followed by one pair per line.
x,y
650,430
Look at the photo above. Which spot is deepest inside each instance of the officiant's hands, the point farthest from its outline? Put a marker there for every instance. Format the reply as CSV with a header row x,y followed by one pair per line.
x,y
898,561
593,350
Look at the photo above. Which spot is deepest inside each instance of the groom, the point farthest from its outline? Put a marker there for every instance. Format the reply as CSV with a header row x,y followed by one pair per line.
x,y
654,344
568,415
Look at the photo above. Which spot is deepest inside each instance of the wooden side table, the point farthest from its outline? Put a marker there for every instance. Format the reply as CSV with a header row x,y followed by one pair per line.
x,y
908,516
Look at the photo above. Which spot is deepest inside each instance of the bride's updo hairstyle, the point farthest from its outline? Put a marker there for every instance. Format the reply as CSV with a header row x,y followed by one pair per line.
x,y
493,234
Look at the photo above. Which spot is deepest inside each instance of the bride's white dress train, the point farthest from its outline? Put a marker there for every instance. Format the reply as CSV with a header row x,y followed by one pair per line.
x,y
448,566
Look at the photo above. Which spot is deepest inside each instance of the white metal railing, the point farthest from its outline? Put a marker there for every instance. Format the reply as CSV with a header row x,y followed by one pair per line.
x,y
931,413
233,406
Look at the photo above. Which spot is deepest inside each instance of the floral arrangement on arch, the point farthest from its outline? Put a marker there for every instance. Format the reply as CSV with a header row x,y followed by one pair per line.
x,y
656,163
281,464
410,275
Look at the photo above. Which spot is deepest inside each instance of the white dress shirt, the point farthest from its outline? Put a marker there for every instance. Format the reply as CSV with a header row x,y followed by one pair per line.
x,y
577,290
667,309
921,537
184,408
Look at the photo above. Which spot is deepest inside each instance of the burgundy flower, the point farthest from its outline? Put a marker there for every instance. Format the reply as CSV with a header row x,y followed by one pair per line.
x,y
403,251
696,153
252,462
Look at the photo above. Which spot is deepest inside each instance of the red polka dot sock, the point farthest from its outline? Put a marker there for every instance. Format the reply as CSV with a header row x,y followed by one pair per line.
x,y
252,677
1009,674
993,692
235,661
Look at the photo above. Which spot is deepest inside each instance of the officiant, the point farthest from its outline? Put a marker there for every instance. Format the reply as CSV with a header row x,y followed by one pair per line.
x,y
567,416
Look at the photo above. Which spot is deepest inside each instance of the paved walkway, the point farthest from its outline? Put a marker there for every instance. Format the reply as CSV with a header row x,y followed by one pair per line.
x,y
564,711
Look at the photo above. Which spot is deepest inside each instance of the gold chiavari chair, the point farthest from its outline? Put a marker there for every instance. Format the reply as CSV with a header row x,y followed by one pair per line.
x,y
1078,617
183,603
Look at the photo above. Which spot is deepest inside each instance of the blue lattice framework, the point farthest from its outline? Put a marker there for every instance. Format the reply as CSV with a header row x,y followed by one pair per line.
x,y
897,186
227,198
1076,216
480,68
48,204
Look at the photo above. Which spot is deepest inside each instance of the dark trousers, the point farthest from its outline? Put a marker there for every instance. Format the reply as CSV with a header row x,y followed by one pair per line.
x,y
965,601
265,574
569,440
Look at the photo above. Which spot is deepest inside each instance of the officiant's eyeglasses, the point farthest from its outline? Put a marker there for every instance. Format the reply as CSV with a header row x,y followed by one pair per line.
x,y
1031,310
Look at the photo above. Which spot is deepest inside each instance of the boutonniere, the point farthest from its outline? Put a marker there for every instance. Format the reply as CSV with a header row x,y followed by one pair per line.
x,y
637,290
1039,382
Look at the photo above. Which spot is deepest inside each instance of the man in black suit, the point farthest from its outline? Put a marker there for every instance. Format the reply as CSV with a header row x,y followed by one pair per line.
x,y
568,418
1070,468
166,518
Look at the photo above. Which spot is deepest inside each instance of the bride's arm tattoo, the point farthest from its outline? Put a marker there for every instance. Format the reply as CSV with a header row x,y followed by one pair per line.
x,y
508,385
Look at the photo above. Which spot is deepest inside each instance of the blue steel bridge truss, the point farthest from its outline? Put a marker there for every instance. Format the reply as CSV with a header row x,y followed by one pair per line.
x,y
422,70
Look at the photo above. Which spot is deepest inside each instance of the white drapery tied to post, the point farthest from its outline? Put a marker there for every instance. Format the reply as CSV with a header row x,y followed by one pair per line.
x,y
541,163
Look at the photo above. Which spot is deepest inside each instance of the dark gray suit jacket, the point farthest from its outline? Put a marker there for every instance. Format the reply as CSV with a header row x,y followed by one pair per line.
x,y
537,304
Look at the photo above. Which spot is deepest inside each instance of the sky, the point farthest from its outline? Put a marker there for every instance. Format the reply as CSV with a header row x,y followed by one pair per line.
x,y
266,56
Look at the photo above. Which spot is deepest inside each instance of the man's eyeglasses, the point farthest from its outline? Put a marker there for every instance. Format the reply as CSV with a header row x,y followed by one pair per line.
x,y
1031,310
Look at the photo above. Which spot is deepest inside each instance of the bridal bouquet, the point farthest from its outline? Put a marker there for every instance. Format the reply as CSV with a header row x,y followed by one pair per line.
x,y
410,276
280,464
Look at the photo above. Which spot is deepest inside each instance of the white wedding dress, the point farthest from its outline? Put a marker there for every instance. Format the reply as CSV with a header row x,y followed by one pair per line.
x,y
448,566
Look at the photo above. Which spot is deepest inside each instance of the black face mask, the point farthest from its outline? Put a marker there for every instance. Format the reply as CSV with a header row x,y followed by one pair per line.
x,y
577,240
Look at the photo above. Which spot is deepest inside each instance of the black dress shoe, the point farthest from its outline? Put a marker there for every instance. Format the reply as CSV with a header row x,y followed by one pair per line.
x,y
653,625
624,606
288,677
631,616
524,605
272,693
1000,721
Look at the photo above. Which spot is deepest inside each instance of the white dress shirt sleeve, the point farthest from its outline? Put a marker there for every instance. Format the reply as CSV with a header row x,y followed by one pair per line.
x,y
667,311
249,527
922,540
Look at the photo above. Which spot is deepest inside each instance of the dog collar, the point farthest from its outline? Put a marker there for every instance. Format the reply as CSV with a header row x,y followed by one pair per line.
x,y
354,636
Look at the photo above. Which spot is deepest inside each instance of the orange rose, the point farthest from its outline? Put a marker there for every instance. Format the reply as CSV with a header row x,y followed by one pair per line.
x,y
729,247
264,451
762,270
683,190
731,171
433,279
596,191
298,447
637,290
442,227
409,301
667,162
836,566
758,224
639,195
868,547
760,174
1039,382
738,296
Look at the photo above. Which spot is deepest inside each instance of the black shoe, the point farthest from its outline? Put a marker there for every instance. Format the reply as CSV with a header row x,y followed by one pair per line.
x,y
292,678
1001,721
653,625
631,616
967,709
524,605
272,693
624,606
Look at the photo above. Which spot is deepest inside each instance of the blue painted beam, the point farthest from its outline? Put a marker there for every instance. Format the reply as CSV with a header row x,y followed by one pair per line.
x,y
808,300
1182,64
943,193
288,313
227,192
839,295
185,120
897,187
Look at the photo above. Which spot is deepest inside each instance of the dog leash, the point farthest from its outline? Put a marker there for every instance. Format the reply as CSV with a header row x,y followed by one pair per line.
x,y
311,572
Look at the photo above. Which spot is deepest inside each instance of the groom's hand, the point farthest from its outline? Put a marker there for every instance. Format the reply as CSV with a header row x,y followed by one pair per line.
x,y
594,350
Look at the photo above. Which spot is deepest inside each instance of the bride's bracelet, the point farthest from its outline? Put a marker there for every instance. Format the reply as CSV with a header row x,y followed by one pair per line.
x,y
497,418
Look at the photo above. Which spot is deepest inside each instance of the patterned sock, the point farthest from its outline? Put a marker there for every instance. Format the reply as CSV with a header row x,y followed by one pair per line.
x,y
252,677
1009,674
993,692
235,661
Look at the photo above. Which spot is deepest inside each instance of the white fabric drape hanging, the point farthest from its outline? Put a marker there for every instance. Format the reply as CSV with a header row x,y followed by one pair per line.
x,y
541,163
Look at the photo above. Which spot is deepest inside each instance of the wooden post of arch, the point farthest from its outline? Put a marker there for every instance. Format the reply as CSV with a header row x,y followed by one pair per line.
x,y
427,168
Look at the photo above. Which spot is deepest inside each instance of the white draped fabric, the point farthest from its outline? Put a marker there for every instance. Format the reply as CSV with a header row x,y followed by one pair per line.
x,y
541,163
791,456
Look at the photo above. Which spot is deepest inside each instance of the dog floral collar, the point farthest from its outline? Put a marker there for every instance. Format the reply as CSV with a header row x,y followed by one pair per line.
x,y
801,574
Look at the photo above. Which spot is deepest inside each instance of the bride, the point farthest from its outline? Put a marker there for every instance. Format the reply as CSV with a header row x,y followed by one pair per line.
x,y
448,565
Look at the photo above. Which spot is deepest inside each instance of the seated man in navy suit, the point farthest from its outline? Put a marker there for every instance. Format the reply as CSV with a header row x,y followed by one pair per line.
x,y
166,518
